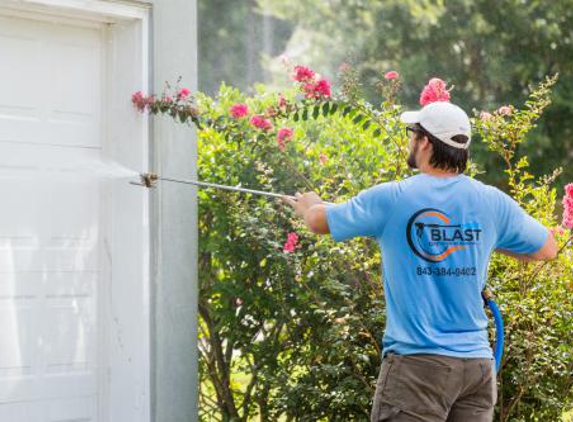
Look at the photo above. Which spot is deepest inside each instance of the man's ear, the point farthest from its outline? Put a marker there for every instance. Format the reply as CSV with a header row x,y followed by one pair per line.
x,y
425,144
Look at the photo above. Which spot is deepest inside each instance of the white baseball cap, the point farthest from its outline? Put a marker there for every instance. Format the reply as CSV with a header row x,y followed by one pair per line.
x,y
442,119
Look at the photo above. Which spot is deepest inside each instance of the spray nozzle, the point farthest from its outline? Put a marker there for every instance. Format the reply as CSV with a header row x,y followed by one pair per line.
x,y
146,179
149,179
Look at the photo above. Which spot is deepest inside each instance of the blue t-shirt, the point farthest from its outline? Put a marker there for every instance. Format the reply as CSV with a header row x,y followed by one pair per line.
x,y
436,235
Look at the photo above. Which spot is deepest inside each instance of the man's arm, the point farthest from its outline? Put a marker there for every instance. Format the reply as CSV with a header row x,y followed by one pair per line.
x,y
315,219
364,214
547,252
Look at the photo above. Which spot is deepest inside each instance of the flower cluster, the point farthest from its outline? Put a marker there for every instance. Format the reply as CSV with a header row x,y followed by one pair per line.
x,y
389,86
568,206
303,74
260,122
140,101
263,122
391,75
178,103
505,110
313,86
291,243
238,111
284,135
183,93
435,91
485,116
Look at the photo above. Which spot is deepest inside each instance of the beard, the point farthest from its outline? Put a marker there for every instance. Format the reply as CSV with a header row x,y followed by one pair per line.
x,y
412,157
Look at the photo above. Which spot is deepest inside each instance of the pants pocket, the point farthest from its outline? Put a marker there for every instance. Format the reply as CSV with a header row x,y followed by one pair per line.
x,y
422,385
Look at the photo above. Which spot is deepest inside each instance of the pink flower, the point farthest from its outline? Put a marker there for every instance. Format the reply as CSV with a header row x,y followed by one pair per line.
x,y
322,88
568,206
391,75
140,101
322,158
291,243
434,91
183,93
282,101
485,116
168,99
261,123
284,135
504,110
309,90
303,74
138,96
238,111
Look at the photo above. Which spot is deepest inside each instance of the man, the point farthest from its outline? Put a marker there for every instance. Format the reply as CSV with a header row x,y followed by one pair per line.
x,y
437,230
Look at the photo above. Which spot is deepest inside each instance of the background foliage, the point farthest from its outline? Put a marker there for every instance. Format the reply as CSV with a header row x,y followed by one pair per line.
x,y
489,49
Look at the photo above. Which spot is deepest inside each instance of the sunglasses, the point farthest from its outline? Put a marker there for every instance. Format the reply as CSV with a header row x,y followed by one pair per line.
x,y
412,129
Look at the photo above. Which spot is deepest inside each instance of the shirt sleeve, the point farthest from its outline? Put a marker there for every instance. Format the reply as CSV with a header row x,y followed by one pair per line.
x,y
517,231
362,215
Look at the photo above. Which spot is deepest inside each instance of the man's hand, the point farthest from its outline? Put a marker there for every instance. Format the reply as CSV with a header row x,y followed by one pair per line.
x,y
302,203
311,209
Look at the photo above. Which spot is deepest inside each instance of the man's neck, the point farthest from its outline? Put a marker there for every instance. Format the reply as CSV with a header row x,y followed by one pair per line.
x,y
432,171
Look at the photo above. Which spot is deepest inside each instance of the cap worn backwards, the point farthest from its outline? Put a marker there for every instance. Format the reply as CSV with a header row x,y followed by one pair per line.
x,y
442,119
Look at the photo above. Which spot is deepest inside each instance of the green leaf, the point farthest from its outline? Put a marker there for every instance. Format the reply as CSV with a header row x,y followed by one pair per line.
x,y
296,117
333,108
325,109
197,122
366,125
316,112
347,110
358,118
305,114
377,133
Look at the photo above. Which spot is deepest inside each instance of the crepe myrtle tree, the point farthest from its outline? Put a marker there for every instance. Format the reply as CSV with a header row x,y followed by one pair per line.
x,y
291,322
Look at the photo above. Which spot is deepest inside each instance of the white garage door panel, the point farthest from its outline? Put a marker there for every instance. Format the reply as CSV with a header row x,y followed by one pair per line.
x,y
51,221
57,411
16,355
54,94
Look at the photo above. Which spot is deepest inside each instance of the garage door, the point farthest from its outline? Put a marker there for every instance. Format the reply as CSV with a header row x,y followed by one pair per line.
x,y
51,219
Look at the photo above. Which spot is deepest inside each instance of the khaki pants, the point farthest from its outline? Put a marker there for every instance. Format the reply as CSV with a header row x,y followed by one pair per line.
x,y
434,388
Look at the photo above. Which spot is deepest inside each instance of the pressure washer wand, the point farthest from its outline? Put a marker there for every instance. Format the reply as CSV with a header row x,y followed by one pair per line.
x,y
150,179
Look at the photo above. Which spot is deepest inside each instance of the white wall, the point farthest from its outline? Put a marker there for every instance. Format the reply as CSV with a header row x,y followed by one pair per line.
x,y
174,223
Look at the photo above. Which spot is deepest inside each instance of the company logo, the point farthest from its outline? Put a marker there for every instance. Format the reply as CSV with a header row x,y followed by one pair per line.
x,y
433,236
